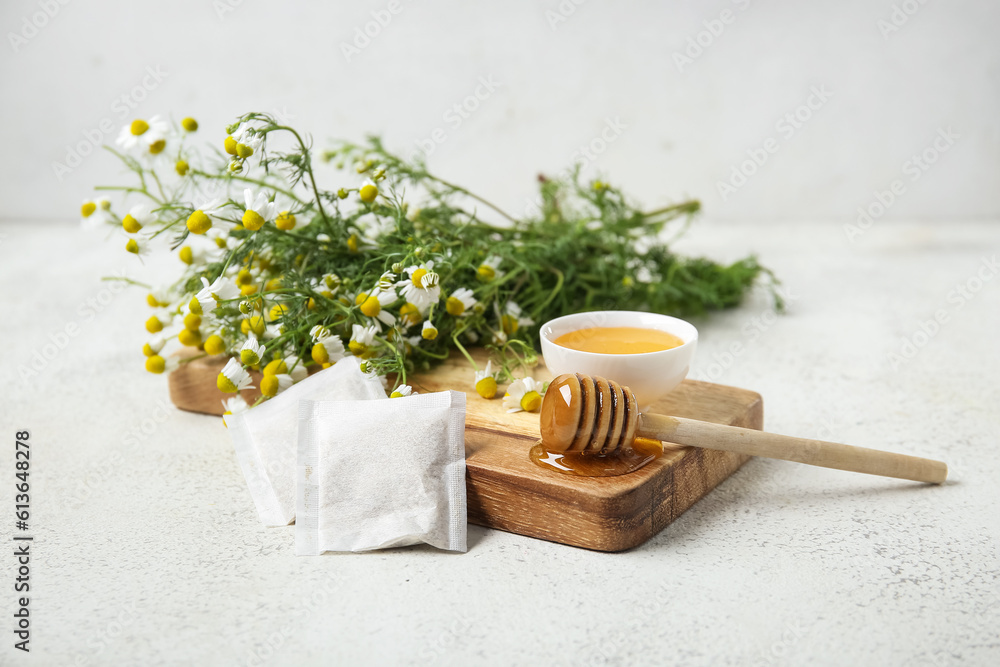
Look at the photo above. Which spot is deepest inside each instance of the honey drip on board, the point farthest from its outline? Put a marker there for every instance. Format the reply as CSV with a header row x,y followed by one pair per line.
x,y
622,462
618,340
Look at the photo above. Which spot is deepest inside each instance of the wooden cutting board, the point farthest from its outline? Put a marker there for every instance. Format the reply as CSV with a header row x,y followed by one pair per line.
x,y
509,492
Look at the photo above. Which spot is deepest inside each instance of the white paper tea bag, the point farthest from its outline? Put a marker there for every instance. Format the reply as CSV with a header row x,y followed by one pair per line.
x,y
381,474
266,439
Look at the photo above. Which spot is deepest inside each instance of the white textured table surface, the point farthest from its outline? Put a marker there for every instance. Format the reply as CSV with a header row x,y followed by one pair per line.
x,y
148,549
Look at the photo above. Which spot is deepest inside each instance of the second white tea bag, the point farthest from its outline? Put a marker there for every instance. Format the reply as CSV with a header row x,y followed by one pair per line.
x,y
381,474
266,438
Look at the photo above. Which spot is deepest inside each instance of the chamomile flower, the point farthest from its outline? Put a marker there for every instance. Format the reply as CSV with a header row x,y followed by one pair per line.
x,y
402,391
222,289
328,349
244,142
252,351
203,217
215,345
524,394
234,405
489,269
258,210
422,288
233,378
157,364
136,248
362,340
373,303
272,384
368,192
318,333
461,302
191,256
154,346
138,217
513,319
486,381
94,213
142,133
429,332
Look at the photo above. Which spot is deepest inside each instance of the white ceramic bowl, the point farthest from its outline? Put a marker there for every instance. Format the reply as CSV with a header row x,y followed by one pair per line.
x,y
650,375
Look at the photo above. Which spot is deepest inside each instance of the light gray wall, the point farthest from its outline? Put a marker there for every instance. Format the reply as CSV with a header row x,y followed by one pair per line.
x,y
686,125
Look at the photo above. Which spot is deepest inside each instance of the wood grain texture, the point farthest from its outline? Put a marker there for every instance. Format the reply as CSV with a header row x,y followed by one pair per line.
x,y
509,492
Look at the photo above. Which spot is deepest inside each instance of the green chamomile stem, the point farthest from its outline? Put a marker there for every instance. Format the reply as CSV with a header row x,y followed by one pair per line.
x,y
141,191
159,186
458,188
127,281
461,348
247,179
309,170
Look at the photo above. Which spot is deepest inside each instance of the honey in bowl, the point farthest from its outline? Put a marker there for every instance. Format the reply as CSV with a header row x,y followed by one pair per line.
x,y
618,340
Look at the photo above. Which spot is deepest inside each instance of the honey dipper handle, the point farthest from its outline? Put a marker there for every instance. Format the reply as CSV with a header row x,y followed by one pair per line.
x,y
803,450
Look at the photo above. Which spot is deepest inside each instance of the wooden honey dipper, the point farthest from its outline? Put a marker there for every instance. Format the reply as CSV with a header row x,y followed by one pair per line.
x,y
590,415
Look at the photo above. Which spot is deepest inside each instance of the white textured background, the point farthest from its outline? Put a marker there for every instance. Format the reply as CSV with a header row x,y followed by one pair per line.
x,y
687,127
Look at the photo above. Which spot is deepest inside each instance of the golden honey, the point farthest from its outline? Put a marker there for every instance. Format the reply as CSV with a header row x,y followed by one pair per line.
x,y
620,462
618,340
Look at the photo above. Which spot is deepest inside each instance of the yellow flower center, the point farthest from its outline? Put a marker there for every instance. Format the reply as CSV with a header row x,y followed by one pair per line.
x,y
256,324
531,401
417,278
368,193
157,146
360,298
225,384
148,350
189,338
410,314
509,324
138,127
132,246
272,284
155,364
360,349
486,272
244,277
285,221
194,305
430,333
454,306
151,300
352,243
247,290
371,307
189,124
276,367
229,145
214,344
186,255
319,353
249,357
311,304
198,222
181,167
88,209
192,321
487,387
277,312
244,151
269,385
130,224
253,220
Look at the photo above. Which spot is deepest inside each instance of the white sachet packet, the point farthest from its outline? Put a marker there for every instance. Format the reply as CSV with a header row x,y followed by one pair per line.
x,y
381,474
266,440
